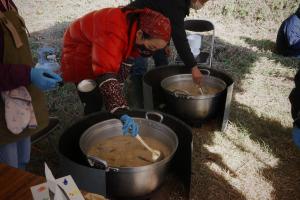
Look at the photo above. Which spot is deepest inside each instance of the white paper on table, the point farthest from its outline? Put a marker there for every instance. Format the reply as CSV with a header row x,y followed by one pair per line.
x,y
59,195
68,184
40,192
52,185
63,188
50,179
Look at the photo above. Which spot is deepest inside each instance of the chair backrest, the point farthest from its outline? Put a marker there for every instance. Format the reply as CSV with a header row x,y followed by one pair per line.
x,y
198,25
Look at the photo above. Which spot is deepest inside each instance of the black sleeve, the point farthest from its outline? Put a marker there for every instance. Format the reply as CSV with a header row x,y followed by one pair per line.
x,y
138,4
181,42
295,99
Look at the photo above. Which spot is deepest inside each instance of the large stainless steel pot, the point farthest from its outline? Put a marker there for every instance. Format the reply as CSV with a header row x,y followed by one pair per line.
x,y
131,181
199,107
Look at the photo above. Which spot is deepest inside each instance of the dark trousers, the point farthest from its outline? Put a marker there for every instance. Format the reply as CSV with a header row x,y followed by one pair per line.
x,y
135,86
92,101
141,63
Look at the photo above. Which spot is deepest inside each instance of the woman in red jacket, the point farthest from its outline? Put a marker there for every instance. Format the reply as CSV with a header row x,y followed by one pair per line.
x,y
102,44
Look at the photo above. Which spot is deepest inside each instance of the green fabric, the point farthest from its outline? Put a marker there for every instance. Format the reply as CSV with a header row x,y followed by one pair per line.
x,y
22,55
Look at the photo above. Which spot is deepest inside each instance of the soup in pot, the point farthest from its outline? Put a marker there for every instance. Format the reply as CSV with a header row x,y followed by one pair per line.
x,y
190,88
127,151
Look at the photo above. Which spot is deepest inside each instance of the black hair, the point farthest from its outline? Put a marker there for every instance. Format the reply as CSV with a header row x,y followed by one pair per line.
x,y
297,13
131,17
146,35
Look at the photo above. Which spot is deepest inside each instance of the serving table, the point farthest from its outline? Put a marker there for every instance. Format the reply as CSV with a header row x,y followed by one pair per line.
x,y
15,183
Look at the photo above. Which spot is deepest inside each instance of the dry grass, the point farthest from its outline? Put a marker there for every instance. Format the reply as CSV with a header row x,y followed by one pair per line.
x,y
255,158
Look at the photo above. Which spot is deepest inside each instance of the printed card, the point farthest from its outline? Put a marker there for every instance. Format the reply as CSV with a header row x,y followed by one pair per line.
x,y
68,184
40,192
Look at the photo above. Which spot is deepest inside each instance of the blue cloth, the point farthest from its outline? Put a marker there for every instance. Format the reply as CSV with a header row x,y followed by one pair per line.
x,y
129,126
43,52
16,154
296,136
288,37
44,79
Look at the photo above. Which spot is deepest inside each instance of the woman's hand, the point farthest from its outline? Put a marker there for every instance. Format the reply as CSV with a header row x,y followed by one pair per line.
x,y
196,74
168,51
129,126
44,78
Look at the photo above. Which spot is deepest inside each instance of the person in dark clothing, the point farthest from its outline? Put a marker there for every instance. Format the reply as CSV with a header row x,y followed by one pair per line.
x,y
18,77
176,11
288,37
295,102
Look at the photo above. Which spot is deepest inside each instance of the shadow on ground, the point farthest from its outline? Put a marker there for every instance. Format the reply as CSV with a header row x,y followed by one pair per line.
x,y
268,49
284,177
238,61
207,184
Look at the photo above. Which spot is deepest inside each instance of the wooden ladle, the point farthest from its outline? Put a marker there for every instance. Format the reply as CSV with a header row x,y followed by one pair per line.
x,y
155,153
200,90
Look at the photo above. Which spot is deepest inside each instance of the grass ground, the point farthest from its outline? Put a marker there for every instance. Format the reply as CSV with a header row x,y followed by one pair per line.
x,y
255,157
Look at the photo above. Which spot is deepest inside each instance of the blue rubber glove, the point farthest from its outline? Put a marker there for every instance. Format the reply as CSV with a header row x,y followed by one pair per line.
x,y
44,79
129,126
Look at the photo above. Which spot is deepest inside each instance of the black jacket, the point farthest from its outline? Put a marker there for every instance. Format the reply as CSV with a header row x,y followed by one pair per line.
x,y
288,36
175,10
295,100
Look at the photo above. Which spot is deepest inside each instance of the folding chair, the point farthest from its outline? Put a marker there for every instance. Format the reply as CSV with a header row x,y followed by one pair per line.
x,y
201,27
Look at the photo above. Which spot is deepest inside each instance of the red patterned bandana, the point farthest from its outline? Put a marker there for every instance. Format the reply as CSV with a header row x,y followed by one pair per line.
x,y
155,24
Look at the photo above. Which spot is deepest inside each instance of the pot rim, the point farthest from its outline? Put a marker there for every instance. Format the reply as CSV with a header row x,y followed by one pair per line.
x,y
114,122
190,97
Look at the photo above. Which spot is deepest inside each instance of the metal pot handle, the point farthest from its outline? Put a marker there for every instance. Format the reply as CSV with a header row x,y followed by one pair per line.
x,y
154,113
205,70
98,163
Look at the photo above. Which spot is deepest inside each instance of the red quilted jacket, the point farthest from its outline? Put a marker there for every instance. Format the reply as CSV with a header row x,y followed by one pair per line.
x,y
96,44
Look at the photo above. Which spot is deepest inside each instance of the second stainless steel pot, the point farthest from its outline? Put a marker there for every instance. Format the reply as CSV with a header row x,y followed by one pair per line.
x,y
131,182
194,107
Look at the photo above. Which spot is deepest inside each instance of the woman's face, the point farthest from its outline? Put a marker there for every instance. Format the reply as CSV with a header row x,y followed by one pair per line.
x,y
147,46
